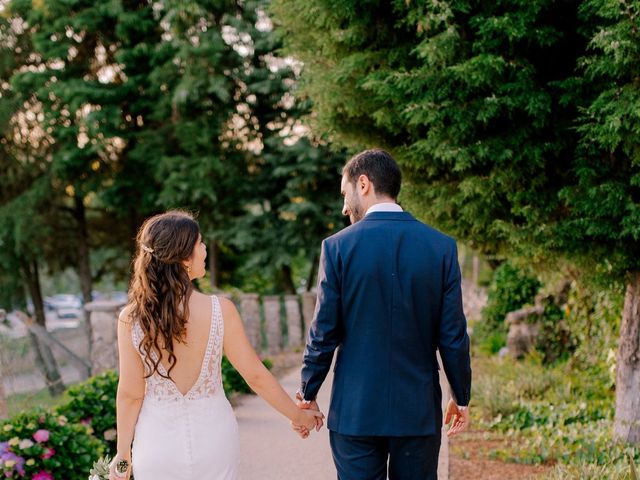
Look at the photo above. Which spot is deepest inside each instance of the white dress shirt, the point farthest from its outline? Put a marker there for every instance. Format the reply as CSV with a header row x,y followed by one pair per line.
x,y
384,207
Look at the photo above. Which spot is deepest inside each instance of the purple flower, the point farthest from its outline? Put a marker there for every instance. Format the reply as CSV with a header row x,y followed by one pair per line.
x,y
4,447
13,461
41,435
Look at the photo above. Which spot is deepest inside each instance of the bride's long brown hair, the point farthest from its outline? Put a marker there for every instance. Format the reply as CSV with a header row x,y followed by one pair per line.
x,y
160,287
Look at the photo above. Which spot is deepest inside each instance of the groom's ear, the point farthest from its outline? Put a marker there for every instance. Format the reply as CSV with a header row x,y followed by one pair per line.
x,y
364,185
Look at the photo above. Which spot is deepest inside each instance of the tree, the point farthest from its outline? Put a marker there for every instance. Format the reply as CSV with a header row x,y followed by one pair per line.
x,y
480,103
24,237
603,224
233,149
293,199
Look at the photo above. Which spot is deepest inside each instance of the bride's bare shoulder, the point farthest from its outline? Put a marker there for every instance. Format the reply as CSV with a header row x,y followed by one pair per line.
x,y
227,306
125,318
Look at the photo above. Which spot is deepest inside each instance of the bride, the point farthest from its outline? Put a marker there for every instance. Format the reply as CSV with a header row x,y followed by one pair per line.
x,y
173,419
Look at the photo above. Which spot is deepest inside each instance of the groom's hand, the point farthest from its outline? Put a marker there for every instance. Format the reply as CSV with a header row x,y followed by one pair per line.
x,y
312,405
460,417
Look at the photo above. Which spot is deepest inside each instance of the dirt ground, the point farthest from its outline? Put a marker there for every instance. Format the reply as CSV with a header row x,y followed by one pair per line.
x,y
469,458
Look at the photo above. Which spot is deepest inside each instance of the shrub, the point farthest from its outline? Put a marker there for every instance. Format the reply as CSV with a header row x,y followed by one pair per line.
x,y
555,341
40,444
93,403
510,290
232,381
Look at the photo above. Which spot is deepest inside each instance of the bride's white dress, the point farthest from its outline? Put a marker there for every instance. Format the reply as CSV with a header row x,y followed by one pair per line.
x,y
192,436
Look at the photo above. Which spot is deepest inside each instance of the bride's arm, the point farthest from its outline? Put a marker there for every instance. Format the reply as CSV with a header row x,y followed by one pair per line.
x,y
244,359
131,387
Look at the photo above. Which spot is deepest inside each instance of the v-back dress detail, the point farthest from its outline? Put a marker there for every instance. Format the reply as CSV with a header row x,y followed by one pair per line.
x,y
187,436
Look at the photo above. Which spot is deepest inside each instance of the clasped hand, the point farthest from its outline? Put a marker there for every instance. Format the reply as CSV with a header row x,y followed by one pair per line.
x,y
312,416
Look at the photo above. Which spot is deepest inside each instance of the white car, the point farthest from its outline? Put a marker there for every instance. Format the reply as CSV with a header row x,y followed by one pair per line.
x,y
63,301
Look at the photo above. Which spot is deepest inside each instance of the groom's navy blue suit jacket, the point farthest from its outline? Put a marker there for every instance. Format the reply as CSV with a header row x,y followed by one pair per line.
x,y
388,296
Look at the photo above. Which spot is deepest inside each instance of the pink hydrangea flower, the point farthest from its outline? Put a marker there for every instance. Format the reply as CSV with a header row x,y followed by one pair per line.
x,y
42,475
41,435
48,453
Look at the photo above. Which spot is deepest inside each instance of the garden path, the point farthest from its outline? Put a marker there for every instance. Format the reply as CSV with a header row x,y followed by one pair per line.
x,y
270,450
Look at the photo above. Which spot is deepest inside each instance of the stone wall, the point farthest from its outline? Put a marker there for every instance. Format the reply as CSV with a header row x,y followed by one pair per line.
x,y
272,323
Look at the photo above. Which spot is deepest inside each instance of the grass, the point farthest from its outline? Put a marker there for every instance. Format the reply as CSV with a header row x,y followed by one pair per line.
x,y
20,402
587,471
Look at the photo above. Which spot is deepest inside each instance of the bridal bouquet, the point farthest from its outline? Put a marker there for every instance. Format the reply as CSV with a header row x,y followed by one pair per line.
x,y
100,469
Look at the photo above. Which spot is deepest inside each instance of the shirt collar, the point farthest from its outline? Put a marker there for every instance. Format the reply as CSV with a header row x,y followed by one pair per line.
x,y
384,207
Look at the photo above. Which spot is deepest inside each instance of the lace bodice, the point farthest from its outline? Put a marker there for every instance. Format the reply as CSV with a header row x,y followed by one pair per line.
x,y
209,382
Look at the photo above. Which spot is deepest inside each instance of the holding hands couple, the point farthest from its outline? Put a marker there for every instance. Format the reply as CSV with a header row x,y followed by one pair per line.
x,y
388,300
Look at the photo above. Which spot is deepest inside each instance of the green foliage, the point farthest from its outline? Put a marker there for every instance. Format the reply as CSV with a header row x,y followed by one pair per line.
x,y
114,111
593,318
231,379
47,442
510,289
555,341
589,471
464,94
93,403
553,413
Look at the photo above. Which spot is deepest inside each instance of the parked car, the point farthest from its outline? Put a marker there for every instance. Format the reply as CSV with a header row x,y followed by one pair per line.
x,y
63,302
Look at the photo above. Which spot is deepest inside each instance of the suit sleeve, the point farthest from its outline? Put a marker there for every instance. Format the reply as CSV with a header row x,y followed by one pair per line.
x,y
326,327
453,341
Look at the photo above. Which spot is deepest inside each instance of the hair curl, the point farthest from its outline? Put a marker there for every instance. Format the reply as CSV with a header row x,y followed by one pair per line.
x,y
160,286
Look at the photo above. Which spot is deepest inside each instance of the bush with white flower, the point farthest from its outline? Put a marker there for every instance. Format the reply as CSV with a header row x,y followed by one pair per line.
x,y
41,445
93,403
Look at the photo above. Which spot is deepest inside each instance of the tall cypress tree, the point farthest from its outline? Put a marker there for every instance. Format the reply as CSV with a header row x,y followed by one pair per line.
x,y
515,124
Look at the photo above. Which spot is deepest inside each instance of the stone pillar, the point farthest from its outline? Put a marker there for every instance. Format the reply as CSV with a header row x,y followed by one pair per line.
x,y
294,321
103,315
308,309
272,321
250,312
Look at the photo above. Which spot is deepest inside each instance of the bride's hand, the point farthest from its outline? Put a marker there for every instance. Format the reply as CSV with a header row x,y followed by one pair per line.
x,y
308,418
112,468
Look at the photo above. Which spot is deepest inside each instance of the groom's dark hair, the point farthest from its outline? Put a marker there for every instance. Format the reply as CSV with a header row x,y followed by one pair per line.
x,y
379,167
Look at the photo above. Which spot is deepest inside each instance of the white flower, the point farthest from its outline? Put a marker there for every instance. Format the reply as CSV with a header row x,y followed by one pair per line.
x,y
24,444
94,477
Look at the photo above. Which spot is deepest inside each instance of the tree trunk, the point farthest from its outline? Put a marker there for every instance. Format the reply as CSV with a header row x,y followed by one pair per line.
x,y
312,272
84,264
626,426
213,264
287,280
44,356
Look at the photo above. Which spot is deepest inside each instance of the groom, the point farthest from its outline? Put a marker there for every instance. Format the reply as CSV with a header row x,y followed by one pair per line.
x,y
388,297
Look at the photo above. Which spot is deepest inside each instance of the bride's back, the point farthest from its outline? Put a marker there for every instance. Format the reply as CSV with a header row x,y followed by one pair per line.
x,y
190,352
